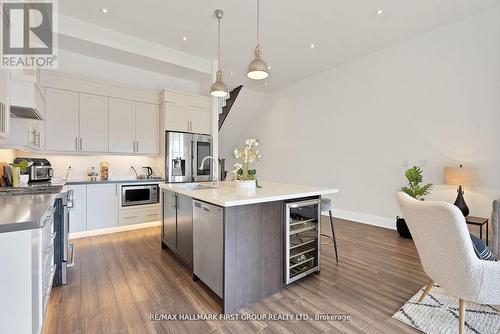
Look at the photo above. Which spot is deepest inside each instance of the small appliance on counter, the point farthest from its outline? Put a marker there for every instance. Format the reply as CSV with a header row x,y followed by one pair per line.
x,y
40,169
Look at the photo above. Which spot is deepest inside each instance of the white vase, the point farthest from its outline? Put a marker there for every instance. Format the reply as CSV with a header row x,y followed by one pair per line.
x,y
245,184
24,179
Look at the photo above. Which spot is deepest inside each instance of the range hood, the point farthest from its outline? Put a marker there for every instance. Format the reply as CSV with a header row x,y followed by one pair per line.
x,y
26,98
25,112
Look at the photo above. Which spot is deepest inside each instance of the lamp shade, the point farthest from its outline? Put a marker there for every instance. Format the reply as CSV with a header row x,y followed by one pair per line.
x,y
460,176
218,88
257,69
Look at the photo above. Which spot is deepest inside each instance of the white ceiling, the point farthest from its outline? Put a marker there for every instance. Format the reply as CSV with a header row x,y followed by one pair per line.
x,y
341,30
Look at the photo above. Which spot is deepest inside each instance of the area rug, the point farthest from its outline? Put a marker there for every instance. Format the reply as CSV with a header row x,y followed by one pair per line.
x,y
438,314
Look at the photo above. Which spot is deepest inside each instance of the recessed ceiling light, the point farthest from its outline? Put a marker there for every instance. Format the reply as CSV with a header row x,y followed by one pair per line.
x,y
269,67
312,46
184,38
104,10
266,83
231,73
380,12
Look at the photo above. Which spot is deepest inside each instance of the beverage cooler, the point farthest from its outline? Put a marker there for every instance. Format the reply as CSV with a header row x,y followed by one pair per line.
x,y
302,244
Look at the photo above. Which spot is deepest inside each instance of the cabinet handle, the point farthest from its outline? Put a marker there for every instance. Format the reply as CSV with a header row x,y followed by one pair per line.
x,y
76,143
80,143
130,217
33,132
38,138
137,146
153,214
133,144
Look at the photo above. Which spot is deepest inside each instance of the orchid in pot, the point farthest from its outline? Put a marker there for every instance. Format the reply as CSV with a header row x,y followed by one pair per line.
x,y
242,174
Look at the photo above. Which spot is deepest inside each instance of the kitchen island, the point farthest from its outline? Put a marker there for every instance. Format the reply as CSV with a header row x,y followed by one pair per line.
x,y
234,239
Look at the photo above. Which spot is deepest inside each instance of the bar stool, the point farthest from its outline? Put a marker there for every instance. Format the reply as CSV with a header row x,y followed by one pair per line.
x,y
326,205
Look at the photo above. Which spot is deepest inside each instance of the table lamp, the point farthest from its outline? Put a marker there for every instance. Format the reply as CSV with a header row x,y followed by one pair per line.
x,y
461,176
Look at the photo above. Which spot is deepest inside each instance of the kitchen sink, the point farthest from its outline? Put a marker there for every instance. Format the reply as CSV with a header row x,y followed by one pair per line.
x,y
194,186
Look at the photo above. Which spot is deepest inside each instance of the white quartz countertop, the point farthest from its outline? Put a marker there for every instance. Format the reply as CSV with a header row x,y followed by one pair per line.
x,y
227,194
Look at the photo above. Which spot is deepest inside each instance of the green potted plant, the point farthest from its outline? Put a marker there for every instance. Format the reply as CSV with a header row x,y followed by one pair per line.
x,y
23,166
415,189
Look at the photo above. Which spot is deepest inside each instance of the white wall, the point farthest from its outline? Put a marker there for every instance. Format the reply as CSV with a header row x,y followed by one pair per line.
x,y
119,166
7,155
434,98
79,64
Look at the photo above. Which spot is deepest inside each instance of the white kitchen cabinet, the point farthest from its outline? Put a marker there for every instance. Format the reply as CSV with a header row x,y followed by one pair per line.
x,y
139,214
28,258
102,206
133,127
4,103
93,122
176,117
200,120
186,112
78,213
121,126
61,120
26,134
147,128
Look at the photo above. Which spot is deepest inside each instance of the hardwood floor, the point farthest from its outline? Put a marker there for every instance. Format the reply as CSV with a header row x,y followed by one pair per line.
x,y
120,279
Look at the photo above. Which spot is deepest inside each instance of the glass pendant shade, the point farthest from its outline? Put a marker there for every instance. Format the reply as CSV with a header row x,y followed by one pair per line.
x,y
218,88
257,69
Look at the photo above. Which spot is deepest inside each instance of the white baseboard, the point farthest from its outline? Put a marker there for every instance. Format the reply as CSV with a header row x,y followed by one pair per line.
x,y
364,218
112,230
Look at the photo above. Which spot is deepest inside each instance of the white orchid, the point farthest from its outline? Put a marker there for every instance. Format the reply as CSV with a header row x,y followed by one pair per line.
x,y
247,156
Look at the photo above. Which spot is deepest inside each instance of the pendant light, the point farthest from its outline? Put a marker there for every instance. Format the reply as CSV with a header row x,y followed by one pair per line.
x,y
258,69
218,88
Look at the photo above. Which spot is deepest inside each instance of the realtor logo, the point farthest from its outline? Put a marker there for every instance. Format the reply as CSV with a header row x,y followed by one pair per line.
x,y
29,35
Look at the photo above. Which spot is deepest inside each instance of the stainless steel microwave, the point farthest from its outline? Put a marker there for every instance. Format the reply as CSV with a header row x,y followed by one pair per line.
x,y
140,194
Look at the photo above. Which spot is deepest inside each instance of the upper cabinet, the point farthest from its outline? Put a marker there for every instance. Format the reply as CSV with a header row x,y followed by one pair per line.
x,y
186,112
61,120
147,128
89,116
133,127
93,123
76,122
121,126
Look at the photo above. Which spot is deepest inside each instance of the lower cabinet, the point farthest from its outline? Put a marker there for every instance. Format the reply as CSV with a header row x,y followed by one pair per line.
x,y
177,229
27,262
78,213
102,206
140,214
97,206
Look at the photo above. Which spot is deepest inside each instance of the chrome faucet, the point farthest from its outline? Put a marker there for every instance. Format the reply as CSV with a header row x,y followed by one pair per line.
x,y
215,181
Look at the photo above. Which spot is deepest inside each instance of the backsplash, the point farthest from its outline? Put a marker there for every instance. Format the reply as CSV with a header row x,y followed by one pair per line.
x,y
119,166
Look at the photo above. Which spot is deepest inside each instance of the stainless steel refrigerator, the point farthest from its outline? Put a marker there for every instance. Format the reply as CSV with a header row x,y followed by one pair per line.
x,y
183,155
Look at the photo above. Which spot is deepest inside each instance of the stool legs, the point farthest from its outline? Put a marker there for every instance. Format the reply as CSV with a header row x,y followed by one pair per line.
x,y
333,235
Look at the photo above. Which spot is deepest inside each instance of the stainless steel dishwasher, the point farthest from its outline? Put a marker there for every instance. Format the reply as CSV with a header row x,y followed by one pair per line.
x,y
208,228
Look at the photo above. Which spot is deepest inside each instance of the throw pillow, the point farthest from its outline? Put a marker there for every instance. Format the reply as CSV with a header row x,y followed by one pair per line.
x,y
482,251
